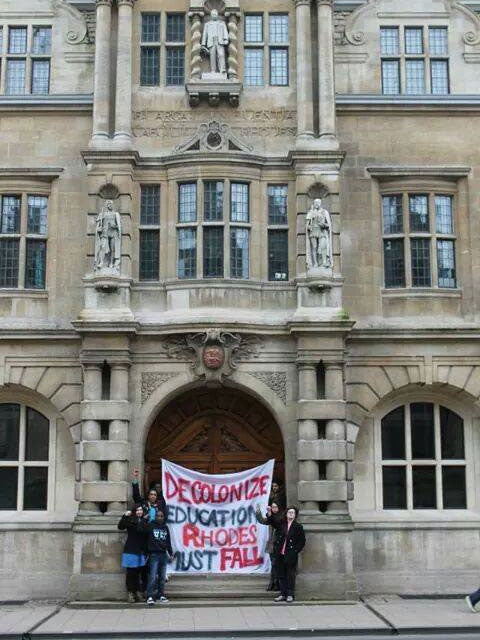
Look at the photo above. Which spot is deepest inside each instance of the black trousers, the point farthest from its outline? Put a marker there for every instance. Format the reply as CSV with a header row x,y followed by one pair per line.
x,y
286,573
273,584
136,579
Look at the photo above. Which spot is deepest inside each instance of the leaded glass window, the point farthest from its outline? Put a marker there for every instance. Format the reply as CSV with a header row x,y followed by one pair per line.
x,y
419,240
213,252
23,241
278,254
27,59
423,458
239,202
253,28
239,252
149,253
253,71
187,202
414,60
213,200
25,465
187,252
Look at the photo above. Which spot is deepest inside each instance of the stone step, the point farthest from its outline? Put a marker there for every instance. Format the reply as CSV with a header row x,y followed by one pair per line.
x,y
219,586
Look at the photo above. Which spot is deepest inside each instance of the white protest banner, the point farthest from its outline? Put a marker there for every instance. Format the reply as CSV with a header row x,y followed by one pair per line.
x,y
212,519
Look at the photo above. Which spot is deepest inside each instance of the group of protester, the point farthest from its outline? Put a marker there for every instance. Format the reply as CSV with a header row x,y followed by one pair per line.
x,y
148,547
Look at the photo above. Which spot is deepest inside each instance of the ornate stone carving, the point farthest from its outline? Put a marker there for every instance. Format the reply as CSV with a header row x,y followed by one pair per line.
x,y
108,240
213,136
151,380
275,380
319,237
213,353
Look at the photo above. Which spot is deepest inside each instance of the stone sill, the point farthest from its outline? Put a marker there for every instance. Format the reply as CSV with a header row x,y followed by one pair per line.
x,y
50,102
402,102
24,293
454,519
33,524
214,283
422,293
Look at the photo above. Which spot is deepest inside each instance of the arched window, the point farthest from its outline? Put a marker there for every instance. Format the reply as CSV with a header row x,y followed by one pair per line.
x,y
423,458
26,441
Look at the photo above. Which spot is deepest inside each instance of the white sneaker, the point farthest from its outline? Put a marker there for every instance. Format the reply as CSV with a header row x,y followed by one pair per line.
x,y
470,605
289,598
163,599
279,599
150,601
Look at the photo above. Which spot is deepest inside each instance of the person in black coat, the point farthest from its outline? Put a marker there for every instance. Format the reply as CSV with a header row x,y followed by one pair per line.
x,y
273,520
289,542
154,501
134,557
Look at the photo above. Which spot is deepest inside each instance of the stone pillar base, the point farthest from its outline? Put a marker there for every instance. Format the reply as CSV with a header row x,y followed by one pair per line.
x,y
97,551
326,570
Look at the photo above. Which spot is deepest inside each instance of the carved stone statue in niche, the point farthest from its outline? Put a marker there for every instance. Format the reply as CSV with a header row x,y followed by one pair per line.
x,y
319,237
108,237
215,40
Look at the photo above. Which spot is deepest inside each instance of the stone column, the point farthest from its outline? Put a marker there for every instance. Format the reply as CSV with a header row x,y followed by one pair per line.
x,y
101,94
335,430
232,61
196,44
118,429
304,72
123,96
326,73
308,429
92,390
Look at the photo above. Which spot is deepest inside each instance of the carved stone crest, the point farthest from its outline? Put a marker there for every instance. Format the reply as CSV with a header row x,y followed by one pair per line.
x,y
213,353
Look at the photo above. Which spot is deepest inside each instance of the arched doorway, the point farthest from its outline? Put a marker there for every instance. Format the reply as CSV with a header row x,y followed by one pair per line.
x,y
214,431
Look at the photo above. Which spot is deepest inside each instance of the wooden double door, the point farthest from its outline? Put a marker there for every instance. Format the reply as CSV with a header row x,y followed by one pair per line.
x,y
214,431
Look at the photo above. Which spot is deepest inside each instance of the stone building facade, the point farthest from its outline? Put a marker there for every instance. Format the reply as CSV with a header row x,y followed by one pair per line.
x,y
202,317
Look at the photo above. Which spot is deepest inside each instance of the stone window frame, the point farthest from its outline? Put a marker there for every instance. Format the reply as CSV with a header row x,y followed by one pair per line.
x,y
145,228
401,57
163,46
29,56
373,479
405,191
267,46
25,400
471,449
24,190
227,224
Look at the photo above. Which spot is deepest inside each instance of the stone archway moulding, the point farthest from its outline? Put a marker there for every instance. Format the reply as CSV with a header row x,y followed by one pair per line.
x,y
370,381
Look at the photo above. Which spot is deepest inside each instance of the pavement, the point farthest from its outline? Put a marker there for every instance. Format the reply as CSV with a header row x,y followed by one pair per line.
x,y
373,616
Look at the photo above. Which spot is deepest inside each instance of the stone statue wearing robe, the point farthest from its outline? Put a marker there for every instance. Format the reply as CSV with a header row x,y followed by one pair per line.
x,y
319,237
108,236
215,39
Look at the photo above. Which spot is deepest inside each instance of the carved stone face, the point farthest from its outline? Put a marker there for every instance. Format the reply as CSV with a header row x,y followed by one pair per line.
x,y
214,14
213,357
109,205
317,203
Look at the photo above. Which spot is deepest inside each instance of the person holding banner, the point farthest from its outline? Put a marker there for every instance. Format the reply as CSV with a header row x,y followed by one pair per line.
x,y
273,520
134,557
290,542
160,552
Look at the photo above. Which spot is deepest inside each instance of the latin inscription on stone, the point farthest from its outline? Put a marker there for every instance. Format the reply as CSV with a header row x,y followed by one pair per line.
x,y
174,126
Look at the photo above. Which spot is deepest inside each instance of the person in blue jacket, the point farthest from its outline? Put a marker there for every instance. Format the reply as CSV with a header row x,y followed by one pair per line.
x,y
154,501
